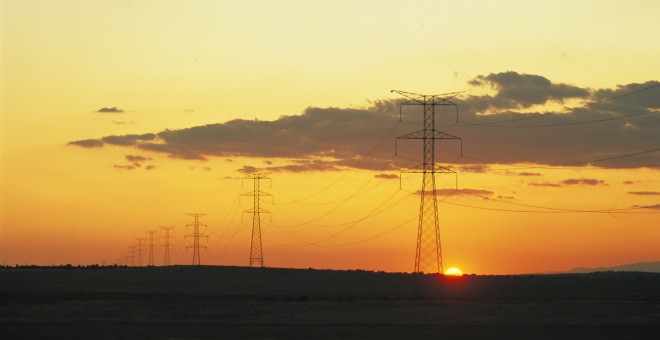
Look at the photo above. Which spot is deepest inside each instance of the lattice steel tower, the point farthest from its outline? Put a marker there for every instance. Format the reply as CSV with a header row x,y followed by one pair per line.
x,y
196,235
428,254
151,247
140,249
169,234
256,250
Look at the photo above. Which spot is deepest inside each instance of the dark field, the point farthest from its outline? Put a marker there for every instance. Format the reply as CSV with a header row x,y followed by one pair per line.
x,y
185,302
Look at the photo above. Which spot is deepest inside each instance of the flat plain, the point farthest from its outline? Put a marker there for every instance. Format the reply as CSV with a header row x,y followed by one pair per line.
x,y
186,302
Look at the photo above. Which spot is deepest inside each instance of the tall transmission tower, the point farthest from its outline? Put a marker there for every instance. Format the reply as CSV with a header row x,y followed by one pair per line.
x,y
196,235
428,253
140,250
151,246
169,234
256,250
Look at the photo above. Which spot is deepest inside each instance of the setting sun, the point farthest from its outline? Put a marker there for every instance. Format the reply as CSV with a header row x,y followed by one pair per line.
x,y
453,271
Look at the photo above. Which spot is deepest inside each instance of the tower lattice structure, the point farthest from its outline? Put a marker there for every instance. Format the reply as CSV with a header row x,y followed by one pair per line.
x,y
428,252
256,249
140,250
132,256
169,234
151,247
196,234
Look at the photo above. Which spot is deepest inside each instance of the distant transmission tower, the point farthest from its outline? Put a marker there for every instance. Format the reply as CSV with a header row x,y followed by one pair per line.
x,y
132,255
196,235
169,234
151,246
428,254
256,250
140,250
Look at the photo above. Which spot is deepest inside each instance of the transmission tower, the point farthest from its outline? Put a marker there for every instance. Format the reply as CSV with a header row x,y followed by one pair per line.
x,y
428,253
140,250
256,251
151,246
196,235
132,255
169,234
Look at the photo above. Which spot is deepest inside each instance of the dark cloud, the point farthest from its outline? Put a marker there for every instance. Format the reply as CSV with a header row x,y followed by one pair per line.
x,y
463,192
128,140
125,167
134,158
149,167
515,90
248,169
113,109
569,182
386,176
529,174
584,181
645,193
628,182
87,143
615,124
305,166
137,161
476,168
544,184
654,206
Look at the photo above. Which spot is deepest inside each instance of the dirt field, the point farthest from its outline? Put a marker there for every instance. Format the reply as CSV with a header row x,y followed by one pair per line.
x,y
235,302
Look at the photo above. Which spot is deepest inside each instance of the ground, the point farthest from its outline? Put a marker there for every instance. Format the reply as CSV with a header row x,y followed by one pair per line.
x,y
185,302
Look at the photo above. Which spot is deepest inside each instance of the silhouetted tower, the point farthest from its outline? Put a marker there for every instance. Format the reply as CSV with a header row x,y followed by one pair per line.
x,y
132,255
151,246
140,247
196,235
428,254
256,250
169,234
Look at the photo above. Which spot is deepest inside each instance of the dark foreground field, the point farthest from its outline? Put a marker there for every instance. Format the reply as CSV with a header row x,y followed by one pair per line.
x,y
234,302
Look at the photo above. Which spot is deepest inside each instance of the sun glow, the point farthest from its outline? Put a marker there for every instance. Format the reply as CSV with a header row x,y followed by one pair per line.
x,y
453,271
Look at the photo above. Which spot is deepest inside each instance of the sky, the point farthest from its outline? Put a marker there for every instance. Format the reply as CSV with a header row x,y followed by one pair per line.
x,y
119,117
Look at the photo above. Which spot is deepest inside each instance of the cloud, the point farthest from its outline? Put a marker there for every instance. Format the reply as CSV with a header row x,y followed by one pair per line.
x,y
463,192
149,167
87,143
133,158
248,169
654,206
137,161
119,122
645,193
113,109
584,181
125,167
328,139
628,182
529,174
515,90
477,168
569,182
386,176
128,140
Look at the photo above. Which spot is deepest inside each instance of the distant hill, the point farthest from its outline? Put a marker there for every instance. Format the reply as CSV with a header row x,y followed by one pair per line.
x,y
649,267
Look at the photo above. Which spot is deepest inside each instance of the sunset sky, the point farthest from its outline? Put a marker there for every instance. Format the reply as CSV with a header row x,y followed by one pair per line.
x,y
118,117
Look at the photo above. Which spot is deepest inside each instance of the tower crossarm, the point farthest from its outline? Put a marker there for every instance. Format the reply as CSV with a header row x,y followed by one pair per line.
x,y
428,99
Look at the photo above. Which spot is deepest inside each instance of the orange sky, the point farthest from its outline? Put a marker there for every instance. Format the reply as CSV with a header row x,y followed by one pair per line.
x,y
120,117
